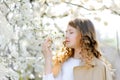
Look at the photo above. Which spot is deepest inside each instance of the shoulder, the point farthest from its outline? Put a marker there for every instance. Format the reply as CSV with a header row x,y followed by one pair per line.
x,y
99,62
96,63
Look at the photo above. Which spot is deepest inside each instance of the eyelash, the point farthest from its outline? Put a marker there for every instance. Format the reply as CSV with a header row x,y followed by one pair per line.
x,y
71,32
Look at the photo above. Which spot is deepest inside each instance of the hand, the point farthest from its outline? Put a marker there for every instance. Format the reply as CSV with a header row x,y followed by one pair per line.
x,y
46,48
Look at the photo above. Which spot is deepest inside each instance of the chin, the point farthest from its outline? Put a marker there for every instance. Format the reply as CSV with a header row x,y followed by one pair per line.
x,y
69,46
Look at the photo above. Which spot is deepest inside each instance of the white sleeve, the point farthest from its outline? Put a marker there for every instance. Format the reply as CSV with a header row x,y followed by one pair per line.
x,y
48,77
51,77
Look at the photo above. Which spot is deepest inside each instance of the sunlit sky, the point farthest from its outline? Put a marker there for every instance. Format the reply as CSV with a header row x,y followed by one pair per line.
x,y
110,29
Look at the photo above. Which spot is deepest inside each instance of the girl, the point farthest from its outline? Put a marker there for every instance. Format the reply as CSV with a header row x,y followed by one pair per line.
x,y
81,56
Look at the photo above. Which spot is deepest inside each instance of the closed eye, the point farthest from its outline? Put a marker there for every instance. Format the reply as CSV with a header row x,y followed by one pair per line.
x,y
71,32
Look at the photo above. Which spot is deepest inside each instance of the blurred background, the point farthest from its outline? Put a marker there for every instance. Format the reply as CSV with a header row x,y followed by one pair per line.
x,y
24,24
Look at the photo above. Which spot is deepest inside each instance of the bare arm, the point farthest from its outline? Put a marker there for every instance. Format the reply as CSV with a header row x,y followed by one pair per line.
x,y
48,75
48,66
48,56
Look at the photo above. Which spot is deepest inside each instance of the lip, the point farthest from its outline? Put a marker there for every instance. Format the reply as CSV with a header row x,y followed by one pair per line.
x,y
67,41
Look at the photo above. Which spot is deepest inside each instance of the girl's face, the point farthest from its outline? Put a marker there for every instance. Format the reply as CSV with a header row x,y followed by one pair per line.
x,y
72,37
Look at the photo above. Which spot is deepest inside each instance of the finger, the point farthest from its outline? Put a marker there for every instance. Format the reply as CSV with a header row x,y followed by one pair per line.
x,y
49,39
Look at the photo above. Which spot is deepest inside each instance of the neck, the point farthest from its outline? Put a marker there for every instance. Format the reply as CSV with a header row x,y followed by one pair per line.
x,y
77,53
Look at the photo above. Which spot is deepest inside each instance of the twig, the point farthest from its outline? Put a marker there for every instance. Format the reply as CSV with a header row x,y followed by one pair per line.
x,y
79,6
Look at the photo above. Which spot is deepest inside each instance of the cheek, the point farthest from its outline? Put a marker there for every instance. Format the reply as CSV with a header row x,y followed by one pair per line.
x,y
74,39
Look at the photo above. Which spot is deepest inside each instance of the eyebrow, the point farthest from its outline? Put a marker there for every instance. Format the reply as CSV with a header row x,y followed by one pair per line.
x,y
68,30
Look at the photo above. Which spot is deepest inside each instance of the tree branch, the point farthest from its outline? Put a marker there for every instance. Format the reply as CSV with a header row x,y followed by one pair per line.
x,y
104,7
79,6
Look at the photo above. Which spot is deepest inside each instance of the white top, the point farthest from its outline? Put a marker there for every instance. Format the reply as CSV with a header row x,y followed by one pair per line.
x,y
66,72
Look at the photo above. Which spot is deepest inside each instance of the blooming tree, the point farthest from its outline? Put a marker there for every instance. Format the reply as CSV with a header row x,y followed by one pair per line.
x,y
25,24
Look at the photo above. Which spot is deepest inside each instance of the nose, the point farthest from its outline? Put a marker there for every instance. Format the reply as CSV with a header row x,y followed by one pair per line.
x,y
66,36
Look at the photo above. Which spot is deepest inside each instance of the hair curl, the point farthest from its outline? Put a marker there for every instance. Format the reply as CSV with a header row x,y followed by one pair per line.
x,y
89,45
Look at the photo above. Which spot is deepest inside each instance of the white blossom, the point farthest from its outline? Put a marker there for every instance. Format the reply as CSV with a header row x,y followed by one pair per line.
x,y
24,26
